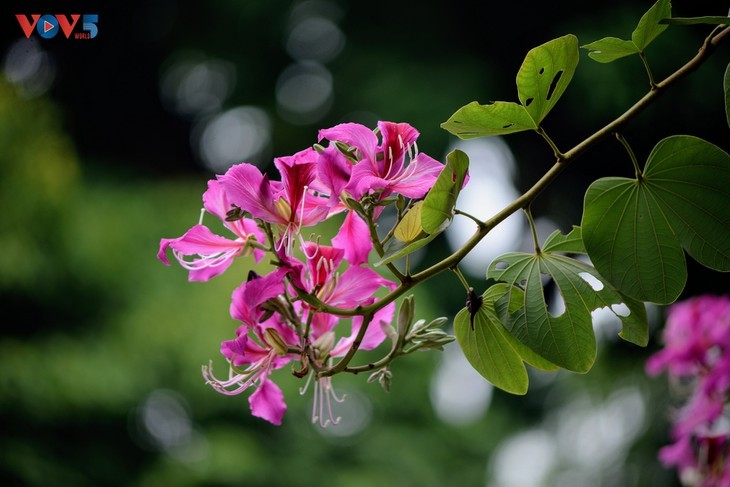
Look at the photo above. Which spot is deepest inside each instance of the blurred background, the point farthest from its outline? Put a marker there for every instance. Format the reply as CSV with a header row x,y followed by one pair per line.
x,y
106,145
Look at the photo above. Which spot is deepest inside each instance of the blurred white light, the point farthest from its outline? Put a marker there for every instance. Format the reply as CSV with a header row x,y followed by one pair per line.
x,y
166,419
355,413
197,87
315,39
304,93
489,190
524,460
459,395
241,134
30,68
316,8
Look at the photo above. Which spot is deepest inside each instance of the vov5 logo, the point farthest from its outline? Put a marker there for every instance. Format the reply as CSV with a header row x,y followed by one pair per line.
x,y
48,26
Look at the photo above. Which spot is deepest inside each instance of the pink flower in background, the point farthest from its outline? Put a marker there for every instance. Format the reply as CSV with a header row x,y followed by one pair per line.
x,y
214,253
697,348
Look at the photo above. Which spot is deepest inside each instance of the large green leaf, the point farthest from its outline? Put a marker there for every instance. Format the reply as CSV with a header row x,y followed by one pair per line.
x,y
690,179
609,49
726,84
498,118
566,340
649,26
710,19
634,230
545,74
490,348
438,206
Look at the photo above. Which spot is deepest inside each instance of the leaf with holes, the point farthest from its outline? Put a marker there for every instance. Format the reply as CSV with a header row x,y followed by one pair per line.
x,y
545,74
498,118
710,19
650,25
567,339
609,49
438,206
634,230
489,347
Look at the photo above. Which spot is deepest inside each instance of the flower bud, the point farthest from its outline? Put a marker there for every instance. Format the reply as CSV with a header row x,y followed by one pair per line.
x,y
324,344
276,342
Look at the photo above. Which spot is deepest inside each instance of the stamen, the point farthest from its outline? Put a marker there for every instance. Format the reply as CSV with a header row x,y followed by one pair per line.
x,y
400,139
202,212
415,146
303,390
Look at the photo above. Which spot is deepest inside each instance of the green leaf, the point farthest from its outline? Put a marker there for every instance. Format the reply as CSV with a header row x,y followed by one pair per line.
x,y
609,49
629,240
488,347
634,230
545,74
566,340
712,20
571,243
498,118
649,26
438,206
690,179
726,84
409,228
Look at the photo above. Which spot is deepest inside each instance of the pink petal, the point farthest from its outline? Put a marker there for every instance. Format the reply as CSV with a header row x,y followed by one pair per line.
x,y
356,285
267,402
209,272
354,239
334,171
251,191
364,178
251,294
355,135
297,171
418,177
397,138
323,263
215,200
374,335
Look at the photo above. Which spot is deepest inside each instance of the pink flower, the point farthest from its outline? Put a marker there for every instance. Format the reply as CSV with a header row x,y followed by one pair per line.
x,y
291,203
214,254
381,167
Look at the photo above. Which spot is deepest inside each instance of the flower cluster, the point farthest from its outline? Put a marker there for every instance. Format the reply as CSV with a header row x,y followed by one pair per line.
x,y
697,353
293,313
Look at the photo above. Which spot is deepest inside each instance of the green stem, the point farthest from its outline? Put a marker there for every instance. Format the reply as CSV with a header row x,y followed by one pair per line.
x,y
379,246
342,364
471,217
558,155
462,279
648,70
534,230
626,145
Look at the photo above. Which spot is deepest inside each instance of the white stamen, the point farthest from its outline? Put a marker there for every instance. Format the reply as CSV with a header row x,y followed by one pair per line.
x,y
400,139
202,212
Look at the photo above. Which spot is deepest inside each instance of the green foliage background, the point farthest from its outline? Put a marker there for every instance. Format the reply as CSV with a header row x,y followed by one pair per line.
x,y
94,172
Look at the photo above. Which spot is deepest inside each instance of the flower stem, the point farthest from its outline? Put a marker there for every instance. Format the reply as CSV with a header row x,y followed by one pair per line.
x,y
469,216
461,278
558,155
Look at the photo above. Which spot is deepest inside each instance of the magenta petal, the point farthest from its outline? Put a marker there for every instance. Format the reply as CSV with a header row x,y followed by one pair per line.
x,y
267,402
251,294
251,191
355,135
215,200
334,172
201,241
354,239
374,335
363,179
356,285
418,177
207,273
397,139
323,262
